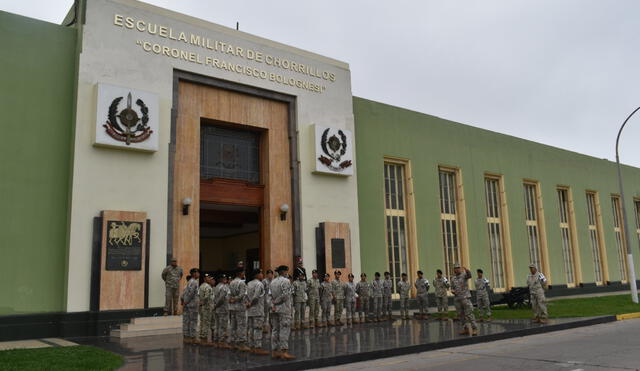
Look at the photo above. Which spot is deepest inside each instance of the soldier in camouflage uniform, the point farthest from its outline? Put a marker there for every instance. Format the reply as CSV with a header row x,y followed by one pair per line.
x,y
281,308
338,288
376,292
221,309
363,289
387,291
422,294
190,308
255,313
350,300
313,293
537,282
326,296
171,276
441,285
404,287
238,311
482,297
462,299
205,298
267,299
299,300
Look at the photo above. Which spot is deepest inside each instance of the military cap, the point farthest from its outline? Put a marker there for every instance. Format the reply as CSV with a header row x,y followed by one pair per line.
x,y
174,259
314,271
338,273
194,270
457,265
282,268
257,271
532,266
363,274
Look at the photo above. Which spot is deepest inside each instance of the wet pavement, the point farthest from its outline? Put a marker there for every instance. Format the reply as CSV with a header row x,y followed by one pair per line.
x,y
320,347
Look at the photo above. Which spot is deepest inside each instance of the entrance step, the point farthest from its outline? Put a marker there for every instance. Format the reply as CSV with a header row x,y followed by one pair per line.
x,y
149,326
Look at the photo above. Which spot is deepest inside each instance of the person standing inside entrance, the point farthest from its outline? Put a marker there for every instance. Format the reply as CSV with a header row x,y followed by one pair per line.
x,y
171,276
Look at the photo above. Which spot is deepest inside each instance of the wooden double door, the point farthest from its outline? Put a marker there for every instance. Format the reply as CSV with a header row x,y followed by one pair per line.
x,y
200,105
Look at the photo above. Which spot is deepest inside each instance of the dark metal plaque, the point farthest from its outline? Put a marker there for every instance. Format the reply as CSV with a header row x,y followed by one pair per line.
x,y
124,246
338,259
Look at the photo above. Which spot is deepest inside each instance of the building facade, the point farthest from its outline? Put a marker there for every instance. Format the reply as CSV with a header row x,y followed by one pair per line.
x,y
133,134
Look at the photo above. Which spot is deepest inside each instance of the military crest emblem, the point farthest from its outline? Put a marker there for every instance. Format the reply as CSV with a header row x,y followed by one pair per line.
x,y
333,151
127,125
126,118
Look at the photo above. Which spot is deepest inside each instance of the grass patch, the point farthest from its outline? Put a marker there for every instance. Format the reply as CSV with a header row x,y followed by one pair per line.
x,y
581,307
60,358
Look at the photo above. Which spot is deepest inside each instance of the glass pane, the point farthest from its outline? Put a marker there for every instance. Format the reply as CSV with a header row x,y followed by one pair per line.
x,y
230,154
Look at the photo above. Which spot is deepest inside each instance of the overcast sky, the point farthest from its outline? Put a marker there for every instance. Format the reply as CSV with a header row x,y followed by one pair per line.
x,y
559,72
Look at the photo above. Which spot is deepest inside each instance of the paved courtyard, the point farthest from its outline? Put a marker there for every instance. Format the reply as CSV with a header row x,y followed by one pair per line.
x,y
314,347
610,346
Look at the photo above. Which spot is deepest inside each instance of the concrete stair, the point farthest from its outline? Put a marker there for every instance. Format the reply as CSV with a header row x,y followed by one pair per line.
x,y
149,326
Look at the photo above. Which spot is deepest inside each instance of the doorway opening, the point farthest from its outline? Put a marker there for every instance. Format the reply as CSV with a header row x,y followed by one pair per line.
x,y
229,234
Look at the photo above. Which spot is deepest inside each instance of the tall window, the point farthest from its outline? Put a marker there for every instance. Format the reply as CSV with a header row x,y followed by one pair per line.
x,y
396,220
449,219
566,227
620,242
494,227
594,236
637,208
533,223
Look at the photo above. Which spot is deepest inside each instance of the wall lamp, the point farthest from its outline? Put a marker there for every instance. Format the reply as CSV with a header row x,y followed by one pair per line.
x,y
186,202
284,209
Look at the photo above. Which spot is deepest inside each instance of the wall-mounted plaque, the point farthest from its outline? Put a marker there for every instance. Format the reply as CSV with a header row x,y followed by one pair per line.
x,y
337,253
126,118
124,246
334,150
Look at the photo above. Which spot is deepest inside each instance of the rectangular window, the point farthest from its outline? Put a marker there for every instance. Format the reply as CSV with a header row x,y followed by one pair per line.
x,y
229,154
396,220
494,227
449,219
637,209
566,236
532,223
621,246
594,236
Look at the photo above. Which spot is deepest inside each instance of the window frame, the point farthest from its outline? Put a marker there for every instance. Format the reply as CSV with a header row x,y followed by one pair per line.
x,y
459,217
540,225
599,233
573,234
619,237
505,235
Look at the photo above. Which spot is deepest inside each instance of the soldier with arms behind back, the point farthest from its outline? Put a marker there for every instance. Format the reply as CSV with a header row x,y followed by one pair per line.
x,y
363,288
404,287
238,311
205,310
255,313
171,276
482,297
190,308
441,285
313,293
281,311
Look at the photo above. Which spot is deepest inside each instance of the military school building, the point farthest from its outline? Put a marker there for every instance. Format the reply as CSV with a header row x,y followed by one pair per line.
x,y
132,134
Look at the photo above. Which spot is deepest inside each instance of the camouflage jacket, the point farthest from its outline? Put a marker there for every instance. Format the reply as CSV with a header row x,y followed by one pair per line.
x,y
376,288
422,286
255,298
237,295
281,292
220,293
313,288
350,292
363,288
387,287
171,276
190,295
441,285
536,283
338,288
205,297
404,288
326,291
460,285
299,291
482,286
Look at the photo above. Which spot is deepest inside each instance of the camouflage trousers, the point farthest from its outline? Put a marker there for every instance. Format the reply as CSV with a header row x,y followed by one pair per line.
x,y
364,307
299,313
443,306
465,311
280,331
190,322
386,305
205,322
255,324
484,305
314,310
171,300
338,307
238,327
539,305
423,303
221,334
404,307
326,311
351,309
377,307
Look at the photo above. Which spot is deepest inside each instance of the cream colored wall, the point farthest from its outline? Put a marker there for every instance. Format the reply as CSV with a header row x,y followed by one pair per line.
x,y
108,179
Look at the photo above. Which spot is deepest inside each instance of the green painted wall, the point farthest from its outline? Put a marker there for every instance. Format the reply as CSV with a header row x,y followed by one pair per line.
x,y
37,74
428,141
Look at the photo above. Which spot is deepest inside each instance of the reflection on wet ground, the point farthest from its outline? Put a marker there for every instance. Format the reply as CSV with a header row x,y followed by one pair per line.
x,y
169,353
